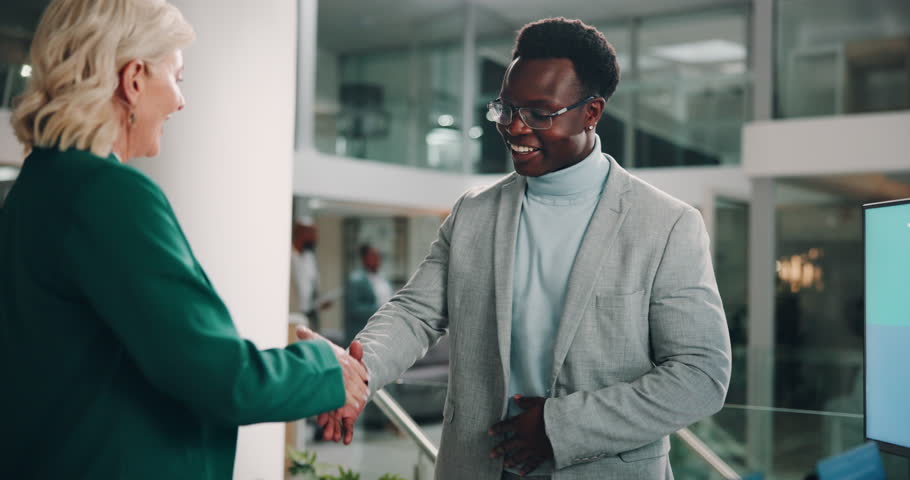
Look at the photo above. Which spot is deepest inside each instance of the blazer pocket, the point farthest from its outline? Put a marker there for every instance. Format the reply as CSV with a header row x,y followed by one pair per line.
x,y
623,311
619,301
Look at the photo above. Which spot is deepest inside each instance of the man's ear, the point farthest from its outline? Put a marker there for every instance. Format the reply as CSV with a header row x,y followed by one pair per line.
x,y
132,82
594,109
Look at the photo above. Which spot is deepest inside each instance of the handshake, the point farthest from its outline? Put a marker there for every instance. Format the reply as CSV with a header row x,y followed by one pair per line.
x,y
356,379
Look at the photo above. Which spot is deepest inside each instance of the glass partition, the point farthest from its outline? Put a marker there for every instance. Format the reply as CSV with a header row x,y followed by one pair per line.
x,y
838,57
691,93
390,88
392,91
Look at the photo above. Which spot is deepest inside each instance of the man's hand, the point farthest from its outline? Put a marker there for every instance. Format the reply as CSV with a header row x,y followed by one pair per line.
x,y
526,444
356,379
341,422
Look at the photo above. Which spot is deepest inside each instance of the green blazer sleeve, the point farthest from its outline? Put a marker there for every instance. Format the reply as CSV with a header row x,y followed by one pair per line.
x,y
132,263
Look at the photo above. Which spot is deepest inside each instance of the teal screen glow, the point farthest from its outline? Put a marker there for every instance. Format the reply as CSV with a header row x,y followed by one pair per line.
x,y
888,323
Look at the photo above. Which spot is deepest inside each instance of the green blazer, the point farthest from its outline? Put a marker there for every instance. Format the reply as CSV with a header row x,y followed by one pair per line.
x,y
117,357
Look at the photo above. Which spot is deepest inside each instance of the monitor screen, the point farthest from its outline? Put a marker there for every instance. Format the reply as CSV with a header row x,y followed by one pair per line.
x,y
886,228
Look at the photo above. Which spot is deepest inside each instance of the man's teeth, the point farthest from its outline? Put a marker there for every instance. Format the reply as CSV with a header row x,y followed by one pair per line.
x,y
522,148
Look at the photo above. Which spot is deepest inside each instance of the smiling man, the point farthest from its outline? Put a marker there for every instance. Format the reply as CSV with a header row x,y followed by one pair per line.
x,y
581,302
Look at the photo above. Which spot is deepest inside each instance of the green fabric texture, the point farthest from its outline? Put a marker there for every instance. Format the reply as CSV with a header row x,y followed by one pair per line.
x,y
118,358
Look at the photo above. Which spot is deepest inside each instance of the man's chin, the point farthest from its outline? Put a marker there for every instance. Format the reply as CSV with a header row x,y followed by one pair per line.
x,y
529,165
528,170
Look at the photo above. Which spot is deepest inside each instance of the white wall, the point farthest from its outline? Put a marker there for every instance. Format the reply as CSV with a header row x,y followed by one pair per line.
x,y
696,185
363,181
226,167
877,142
10,148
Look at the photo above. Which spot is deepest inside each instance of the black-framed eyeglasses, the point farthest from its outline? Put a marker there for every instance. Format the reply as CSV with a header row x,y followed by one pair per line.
x,y
535,118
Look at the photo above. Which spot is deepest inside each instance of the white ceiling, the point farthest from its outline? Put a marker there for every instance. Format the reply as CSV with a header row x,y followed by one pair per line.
x,y
355,25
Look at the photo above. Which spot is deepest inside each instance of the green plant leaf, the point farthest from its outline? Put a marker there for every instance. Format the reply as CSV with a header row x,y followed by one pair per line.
x,y
391,476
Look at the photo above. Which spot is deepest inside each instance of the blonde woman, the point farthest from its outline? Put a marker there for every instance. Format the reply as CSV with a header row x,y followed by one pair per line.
x,y
119,360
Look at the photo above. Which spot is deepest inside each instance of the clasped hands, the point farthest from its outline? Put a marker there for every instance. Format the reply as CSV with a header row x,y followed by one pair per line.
x,y
526,443
356,390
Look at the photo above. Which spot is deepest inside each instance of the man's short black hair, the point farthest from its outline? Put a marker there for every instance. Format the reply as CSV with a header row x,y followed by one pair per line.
x,y
364,249
593,56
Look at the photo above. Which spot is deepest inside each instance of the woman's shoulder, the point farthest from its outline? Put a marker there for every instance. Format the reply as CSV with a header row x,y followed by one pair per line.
x,y
110,186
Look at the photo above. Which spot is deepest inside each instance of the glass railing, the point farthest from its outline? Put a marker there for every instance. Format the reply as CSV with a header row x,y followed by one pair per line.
x,y
690,456
679,121
801,405
388,439
740,441
397,434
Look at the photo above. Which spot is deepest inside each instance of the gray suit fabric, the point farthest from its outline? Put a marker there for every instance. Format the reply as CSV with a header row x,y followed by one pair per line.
x,y
642,348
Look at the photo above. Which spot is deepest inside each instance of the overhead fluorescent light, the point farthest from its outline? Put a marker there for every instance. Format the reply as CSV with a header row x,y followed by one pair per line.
x,y
704,51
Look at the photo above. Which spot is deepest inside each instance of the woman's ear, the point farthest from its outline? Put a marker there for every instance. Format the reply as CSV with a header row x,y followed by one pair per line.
x,y
132,81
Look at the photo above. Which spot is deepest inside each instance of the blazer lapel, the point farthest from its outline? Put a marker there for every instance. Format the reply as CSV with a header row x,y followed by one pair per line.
x,y
598,240
510,200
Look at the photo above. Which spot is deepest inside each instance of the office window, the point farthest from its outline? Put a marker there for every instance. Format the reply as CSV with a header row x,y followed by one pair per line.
x,y
692,89
389,86
838,57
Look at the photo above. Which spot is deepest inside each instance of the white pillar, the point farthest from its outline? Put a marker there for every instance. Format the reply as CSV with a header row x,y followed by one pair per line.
x,y
468,84
762,57
226,166
305,38
762,246
760,354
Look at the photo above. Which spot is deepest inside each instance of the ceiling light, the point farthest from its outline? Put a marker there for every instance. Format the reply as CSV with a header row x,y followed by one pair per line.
x,y
445,120
704,51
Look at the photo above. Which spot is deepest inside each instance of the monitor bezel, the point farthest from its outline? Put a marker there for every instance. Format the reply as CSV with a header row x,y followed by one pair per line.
x,y
882,445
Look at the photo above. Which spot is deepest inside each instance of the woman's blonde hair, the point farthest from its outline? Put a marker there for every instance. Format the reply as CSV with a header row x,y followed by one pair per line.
x,y
78,50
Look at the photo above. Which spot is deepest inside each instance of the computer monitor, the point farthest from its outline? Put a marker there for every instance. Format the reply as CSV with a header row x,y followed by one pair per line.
x,y
886,236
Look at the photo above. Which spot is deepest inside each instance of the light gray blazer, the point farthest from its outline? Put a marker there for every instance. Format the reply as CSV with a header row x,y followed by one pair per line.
x,y
641,351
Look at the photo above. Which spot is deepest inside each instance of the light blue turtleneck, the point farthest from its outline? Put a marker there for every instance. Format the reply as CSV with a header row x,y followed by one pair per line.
x,y
555,213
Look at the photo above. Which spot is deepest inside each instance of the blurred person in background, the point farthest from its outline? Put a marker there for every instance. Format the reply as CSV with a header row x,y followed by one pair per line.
x,y
119,360
304,296
366,290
